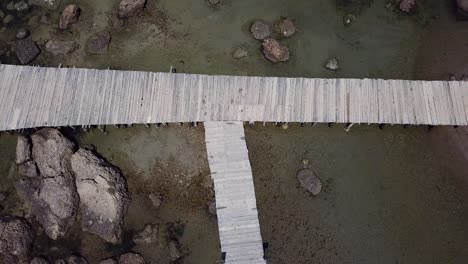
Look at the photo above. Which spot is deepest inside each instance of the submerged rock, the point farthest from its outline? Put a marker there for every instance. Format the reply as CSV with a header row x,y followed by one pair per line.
x,y
129,8
103,195
286,27
407,5
274,51
332,64
260,30
16,238
309,181
147,236
39,260
131,258
26,50
58,47
156,199
98,43
70,15
239,53
52,195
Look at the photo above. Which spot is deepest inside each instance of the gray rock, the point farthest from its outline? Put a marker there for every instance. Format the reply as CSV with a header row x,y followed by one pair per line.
x,y
26,50
70,15
49,4
239,53
147,236
104,198
98,43
23,150
260,30
10,6
274,51
129,8
131,258
76,259
52,196
309,181
39,260
21,6
156,199
407,5
16,238
28,169
108,261
286,27
174,250
58,47
332,64
3,196
22,33
212,208
8,19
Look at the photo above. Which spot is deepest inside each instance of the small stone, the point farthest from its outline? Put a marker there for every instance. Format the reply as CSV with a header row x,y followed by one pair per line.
x,y
8,19
98,43
147,236
212,208
174,250
70,15
22,33
407,5
260,30
286,27
39,260
21,6
239,53
284,126
58,47
108,261
332,64
11,6
26,50
213,2
348,19
156,199
129,8
274,51
3,196
309,181
131,258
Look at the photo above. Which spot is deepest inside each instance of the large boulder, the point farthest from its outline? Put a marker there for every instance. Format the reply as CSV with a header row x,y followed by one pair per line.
x,y
129,8
70,15
26,50
274,51
16,238
52,195
103,195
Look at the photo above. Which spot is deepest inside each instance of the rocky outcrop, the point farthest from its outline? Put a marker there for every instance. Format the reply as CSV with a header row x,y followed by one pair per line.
x,y
16,238
103,195
274,51
131,258
286,27
260,30
58,47
129,8
70,15
51,194
26,50
98,43
309,181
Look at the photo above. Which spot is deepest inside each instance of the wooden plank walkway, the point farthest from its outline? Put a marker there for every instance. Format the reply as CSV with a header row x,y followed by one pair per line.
x,y
239,228
38,96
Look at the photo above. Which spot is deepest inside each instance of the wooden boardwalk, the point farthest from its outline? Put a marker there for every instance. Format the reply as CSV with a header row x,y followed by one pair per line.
x,y
239,228
38,96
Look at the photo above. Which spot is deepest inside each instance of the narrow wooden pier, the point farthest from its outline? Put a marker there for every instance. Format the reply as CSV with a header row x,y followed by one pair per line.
x,y
239,228
37,97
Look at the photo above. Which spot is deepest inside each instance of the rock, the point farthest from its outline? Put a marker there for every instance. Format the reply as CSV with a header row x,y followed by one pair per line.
x,y
156,199
21,6
129,8
3,196
45,19
39,260
60,261
407,5
309,181
131,258
26,50
260,30
52,196
28,169
2,15
274,51
463,6
8,19
332,64
23,150
213,2
76,259
174,250
286,27
108,261
212,208
147,236
49,4
22,33
70,15
348,19
239,53
390,6
10,6
104,198
58,47
98,43
16,238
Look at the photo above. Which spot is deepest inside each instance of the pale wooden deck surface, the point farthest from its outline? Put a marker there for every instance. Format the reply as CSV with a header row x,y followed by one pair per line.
x,y
37,97
239,228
